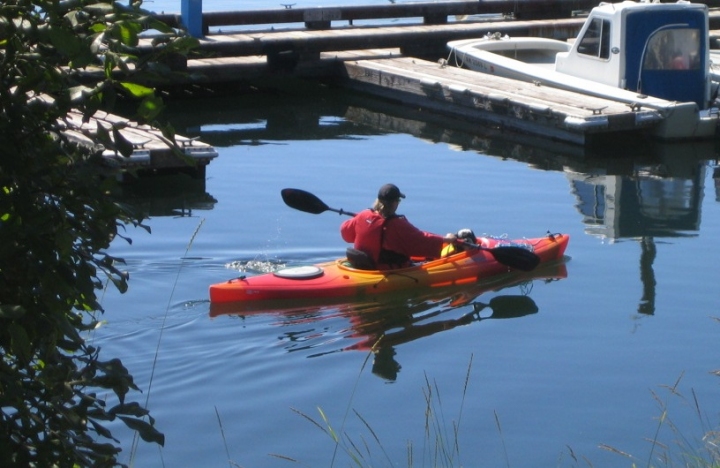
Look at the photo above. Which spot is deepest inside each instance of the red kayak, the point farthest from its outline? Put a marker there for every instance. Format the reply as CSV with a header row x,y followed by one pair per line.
x,y
338,279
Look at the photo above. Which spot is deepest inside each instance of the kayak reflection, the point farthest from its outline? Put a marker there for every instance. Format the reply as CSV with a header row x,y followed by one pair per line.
x,y
381,336
385,322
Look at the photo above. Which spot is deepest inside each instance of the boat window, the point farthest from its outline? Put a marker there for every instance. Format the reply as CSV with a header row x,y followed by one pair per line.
x,y
596,40
673,49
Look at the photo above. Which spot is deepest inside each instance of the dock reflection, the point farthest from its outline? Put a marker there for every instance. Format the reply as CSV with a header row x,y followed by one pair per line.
x,y
383,323
177,195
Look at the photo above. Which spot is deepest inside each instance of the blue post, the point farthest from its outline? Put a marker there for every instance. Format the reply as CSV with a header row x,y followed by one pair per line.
x,y
192,16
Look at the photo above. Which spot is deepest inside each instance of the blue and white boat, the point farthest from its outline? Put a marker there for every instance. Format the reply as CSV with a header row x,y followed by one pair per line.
x,y
648,55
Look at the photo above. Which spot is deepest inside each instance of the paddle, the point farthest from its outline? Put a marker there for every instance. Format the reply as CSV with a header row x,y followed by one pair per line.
x,y
504,307
307,202
515,257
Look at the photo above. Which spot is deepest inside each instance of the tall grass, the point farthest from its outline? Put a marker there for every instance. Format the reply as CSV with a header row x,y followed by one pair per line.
x,y
670,446
135,441
440,447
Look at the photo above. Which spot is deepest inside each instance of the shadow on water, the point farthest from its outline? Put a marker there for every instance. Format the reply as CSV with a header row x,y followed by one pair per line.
x,y
175,195
383,323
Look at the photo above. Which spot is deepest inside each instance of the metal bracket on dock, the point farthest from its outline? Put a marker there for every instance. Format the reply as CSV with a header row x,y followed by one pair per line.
x,y
635,106
320,18
188,141
140,144
598,110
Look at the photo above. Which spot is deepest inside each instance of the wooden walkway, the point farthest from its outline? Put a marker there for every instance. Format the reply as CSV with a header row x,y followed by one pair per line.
x,y
400,62
506,103
151,151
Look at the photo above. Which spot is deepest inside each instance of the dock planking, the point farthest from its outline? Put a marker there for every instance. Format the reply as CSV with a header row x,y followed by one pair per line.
x,y
521,106
151,151
399,62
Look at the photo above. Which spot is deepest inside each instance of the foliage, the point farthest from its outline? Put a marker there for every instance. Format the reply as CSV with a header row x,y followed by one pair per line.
x,y
670,444
441,446
58,217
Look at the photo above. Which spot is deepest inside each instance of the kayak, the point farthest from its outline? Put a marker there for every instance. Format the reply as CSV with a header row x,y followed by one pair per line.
x,y
338,279
410,300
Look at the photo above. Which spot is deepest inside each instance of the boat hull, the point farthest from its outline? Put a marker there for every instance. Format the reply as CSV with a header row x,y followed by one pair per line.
x,y
338,280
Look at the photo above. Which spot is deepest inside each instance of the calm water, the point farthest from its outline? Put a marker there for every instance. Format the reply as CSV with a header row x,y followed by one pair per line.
x,y
574,365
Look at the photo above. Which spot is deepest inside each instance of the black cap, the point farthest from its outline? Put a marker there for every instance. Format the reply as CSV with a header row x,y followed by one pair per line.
x,y
390,192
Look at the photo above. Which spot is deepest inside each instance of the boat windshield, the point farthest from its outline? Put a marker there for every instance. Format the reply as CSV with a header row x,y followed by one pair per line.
x,y
596,40
673,49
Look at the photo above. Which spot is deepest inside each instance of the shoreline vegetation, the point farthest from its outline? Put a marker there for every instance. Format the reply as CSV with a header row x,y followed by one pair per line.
x,y
669,445
59,213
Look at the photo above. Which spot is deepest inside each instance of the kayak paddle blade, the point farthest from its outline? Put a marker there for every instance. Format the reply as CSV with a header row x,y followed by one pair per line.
x,y
303,201
512,306
519,258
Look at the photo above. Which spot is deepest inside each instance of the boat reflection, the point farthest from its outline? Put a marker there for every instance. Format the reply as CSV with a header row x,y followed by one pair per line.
x,y
661,197
385,322
648,199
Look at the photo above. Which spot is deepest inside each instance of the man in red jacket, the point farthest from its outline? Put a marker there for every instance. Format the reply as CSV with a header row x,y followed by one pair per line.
x,y
388,238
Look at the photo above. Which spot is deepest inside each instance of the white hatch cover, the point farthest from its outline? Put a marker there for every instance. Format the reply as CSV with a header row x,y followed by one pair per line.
x,y
302,272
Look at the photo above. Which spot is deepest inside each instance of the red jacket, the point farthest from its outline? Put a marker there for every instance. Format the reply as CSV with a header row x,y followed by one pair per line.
x,y
372,234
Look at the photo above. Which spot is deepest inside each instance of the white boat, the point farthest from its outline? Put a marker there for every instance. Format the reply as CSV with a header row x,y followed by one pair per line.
x,y
648,55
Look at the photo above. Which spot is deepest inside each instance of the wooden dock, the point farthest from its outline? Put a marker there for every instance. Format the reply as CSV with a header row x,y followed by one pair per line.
x,y
404,62
506,103
151,152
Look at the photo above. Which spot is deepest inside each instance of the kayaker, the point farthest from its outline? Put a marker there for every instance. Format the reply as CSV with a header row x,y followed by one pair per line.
x,y
385,239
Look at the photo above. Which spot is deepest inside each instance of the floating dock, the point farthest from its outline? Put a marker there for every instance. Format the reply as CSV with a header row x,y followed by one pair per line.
x,y
151,152
405,62
510,104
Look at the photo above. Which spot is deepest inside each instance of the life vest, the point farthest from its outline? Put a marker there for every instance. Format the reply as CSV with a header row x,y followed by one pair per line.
x,y
369,232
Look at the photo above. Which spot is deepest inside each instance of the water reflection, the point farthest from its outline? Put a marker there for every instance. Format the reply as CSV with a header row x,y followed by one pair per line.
x,y
384,323
272,117
646,200
624,189
167,195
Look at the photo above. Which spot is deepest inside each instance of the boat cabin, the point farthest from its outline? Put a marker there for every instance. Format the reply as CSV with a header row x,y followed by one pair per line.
x,y
656,49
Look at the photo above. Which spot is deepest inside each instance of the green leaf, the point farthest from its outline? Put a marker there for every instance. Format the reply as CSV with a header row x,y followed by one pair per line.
x,y
103,136
11,311
20,342
127,33
137,90
150,107
146,431
120,284
102,430
65,41
153,23
121,143
129,409
100,8
78,93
